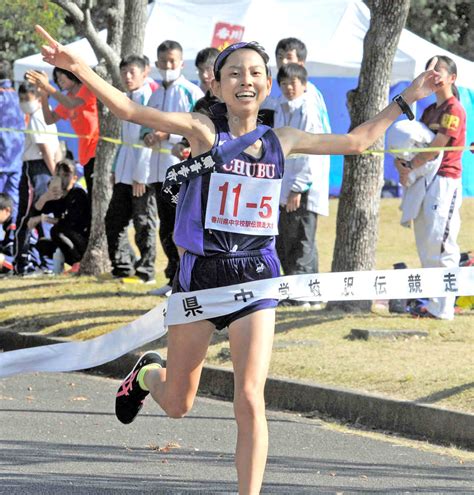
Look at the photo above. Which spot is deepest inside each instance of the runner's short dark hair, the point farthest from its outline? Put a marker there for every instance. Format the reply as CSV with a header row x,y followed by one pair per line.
x,y
224,54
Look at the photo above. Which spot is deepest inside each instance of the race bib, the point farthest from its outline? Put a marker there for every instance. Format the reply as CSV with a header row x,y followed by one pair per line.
x,y
243,204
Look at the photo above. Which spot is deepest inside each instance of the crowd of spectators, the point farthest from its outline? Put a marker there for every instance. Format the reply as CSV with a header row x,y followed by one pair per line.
x,y
47,213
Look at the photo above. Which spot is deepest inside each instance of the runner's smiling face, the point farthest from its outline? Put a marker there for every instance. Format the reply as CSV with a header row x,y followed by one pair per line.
x,y
244,83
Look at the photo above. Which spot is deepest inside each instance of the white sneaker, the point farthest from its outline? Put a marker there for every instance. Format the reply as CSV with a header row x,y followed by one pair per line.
x,y
161,291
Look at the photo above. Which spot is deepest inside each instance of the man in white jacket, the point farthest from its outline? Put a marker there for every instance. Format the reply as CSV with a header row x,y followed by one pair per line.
x,y
305,185
133,196
176,94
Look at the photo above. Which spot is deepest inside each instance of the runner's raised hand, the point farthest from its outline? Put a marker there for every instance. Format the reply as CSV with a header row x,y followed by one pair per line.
x,y
426,83
56,54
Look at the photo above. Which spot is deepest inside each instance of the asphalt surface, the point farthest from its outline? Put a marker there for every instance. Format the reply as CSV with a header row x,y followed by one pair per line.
x,y
59,435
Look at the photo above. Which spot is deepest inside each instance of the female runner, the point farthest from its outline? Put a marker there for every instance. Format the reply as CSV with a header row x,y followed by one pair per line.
x,y
223,255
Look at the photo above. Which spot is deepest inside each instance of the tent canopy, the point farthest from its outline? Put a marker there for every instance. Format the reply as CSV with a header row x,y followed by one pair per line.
x,y
333,31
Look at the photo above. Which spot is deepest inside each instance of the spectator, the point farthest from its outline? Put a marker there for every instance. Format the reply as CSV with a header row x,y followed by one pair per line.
x,y
438,223
302,198
204,63
293,50
11,143
39,161
176,94
70,209
133,198
79,106
149,80
7,234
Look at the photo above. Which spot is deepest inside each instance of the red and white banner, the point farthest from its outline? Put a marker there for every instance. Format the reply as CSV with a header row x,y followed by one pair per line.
x,y
226,34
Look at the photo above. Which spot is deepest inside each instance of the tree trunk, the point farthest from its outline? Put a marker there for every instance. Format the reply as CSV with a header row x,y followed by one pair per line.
x,y
359,201
134,27
126,24
96,258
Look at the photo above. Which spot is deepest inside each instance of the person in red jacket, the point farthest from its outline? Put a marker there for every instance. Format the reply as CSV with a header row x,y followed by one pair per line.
x,y
79,106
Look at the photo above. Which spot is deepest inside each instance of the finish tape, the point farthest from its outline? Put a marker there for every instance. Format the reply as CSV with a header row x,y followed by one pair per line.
x,y
187,307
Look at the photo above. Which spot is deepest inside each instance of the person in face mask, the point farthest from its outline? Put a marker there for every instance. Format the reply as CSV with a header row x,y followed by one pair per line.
x,y
40,155
175,94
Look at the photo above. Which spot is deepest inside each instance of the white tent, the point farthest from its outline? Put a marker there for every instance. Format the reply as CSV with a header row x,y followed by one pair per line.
x,y
333,31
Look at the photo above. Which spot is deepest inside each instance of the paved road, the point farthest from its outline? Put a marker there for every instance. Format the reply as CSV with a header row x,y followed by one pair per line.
x,y
58,435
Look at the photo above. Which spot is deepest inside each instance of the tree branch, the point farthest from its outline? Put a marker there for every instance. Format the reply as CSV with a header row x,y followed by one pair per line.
x,y
72,9
82,20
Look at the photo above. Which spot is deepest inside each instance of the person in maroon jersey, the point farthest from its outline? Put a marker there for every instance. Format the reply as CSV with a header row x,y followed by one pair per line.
x,y
236,251
438,222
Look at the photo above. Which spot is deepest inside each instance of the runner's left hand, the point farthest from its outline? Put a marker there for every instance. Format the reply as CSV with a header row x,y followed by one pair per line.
x,y
425,84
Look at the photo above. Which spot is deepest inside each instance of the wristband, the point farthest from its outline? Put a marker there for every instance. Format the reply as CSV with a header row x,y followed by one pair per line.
x,y
405,108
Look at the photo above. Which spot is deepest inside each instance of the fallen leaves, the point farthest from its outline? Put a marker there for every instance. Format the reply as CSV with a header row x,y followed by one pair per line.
x,y
169,446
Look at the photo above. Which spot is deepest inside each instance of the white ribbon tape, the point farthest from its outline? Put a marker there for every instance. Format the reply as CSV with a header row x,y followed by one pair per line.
x,y
337,286
73,356
187,307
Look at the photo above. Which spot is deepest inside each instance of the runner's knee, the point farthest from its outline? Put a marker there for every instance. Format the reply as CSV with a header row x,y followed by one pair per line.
x,y
249,403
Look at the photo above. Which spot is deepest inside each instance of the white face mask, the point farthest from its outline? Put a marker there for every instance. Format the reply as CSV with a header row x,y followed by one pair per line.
x,y
29,106
170,75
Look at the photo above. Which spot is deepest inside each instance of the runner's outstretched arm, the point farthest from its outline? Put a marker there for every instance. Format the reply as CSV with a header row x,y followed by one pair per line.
x,y
185,124
361,137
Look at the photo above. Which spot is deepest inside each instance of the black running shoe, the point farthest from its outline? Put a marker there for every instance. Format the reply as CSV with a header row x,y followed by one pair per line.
x,y
130,397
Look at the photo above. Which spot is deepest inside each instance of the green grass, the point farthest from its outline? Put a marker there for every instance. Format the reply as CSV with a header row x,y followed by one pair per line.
x,y
396,243
309,345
